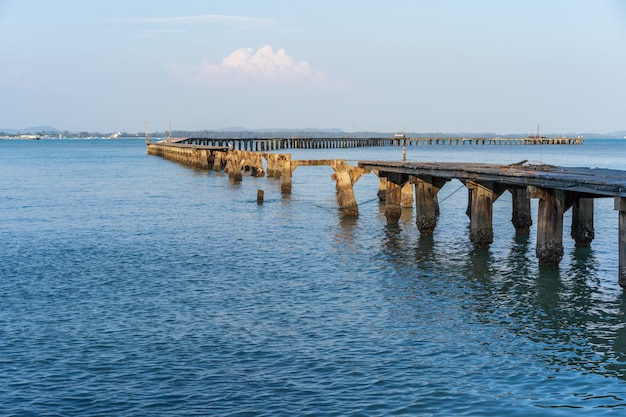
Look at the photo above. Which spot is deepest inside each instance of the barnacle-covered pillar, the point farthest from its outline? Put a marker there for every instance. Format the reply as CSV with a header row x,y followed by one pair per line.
x,y
620,206
552,205
522,218
483,195
393,202
582,222
426,203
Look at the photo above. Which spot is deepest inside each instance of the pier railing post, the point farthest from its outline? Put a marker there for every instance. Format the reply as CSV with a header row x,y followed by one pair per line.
x,y
426,203
620,206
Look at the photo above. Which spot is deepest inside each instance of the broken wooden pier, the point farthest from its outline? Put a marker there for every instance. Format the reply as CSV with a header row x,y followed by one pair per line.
x,y
402,184
557,188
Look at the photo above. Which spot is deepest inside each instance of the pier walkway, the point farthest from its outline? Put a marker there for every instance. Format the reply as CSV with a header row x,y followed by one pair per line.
x,y
270,144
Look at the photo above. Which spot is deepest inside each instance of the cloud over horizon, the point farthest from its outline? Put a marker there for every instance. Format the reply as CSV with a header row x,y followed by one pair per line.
x,y
264,65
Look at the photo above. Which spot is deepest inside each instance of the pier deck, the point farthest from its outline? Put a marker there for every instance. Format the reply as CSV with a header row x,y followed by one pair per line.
x,y
596,182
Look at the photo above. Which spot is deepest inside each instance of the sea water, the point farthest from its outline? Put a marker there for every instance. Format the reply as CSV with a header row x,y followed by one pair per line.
x,y
131,285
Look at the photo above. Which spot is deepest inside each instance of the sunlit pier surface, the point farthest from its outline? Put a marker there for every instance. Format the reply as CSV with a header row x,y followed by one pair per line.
x,y
407,184
269,144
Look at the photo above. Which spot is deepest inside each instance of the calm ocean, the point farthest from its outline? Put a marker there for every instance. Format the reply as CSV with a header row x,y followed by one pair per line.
x,y
134,286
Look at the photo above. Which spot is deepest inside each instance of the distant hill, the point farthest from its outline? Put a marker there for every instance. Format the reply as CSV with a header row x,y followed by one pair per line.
x,y
33,129
243,132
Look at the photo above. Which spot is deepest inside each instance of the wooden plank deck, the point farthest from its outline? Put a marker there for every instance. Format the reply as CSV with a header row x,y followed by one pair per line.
x,y
596,182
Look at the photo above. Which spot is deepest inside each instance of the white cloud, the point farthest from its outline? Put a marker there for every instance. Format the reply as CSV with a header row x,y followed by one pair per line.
x,y
264,65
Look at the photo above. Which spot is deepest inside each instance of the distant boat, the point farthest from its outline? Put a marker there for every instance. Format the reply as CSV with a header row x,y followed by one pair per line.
x,y
29,137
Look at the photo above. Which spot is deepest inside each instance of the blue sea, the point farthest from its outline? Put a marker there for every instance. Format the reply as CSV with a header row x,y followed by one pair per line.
x,y
131,285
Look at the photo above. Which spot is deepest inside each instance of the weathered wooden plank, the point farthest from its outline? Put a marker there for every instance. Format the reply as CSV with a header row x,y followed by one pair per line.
x,y
591,181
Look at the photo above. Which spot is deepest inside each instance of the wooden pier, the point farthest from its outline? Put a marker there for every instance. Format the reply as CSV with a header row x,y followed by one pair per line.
x,y
557,188
272,144
402,184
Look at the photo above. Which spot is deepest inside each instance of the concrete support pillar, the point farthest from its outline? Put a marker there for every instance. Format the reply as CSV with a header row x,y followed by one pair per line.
x,y
522,218
582,222
346,176
552,205
284,161
483,195
217,161
407,195
203,159
393,205
273,169
426,203
620,206
234,166
255,161
210,160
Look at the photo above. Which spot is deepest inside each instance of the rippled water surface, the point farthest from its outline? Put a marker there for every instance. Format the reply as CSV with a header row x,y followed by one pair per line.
x,y
131,285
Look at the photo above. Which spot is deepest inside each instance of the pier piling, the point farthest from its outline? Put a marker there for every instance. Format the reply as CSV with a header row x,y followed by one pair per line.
x,y
382,188
285,172
407,195
620,206
582,222
393,201
522,218
481,217
426,203
345,177
549,249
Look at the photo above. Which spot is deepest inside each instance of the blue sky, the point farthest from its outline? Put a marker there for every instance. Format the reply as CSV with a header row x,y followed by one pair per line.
x,y
417,66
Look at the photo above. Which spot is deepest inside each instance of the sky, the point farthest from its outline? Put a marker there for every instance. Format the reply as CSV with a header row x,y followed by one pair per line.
x,y
357,65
